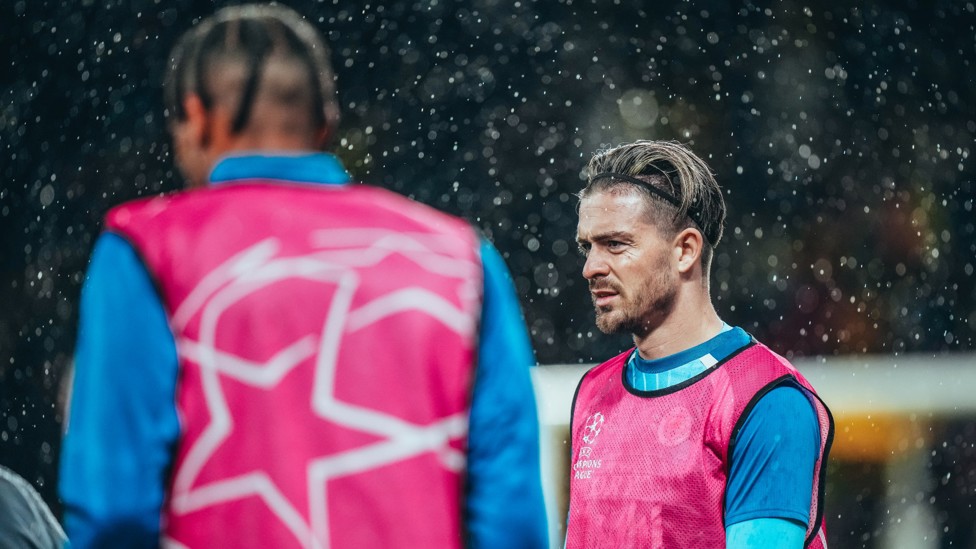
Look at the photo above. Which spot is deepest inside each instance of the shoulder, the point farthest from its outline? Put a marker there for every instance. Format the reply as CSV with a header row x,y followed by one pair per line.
x,y
611,369
760,352
406,207
781,420
762,365
787,402
610,366
22,507
143,210
16,491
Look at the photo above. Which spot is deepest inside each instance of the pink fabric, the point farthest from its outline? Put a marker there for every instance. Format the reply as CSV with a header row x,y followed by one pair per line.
x,y
651,471
314,412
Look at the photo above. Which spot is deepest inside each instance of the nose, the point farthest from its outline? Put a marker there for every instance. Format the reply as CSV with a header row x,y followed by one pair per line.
x,y
595,266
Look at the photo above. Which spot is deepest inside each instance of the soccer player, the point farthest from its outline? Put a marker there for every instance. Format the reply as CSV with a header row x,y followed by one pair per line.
x,y
279,357
699,437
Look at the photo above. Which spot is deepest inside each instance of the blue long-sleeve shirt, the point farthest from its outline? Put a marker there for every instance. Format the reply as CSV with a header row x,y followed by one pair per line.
x,y
123,424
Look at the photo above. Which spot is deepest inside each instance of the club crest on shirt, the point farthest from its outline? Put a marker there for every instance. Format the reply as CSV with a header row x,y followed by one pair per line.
x,y
675,427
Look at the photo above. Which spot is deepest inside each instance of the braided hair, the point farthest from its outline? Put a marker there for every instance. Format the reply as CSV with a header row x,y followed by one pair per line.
x,y
250,41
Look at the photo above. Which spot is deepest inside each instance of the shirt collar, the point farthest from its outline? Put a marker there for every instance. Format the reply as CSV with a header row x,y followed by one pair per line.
x,y
321,168
729,340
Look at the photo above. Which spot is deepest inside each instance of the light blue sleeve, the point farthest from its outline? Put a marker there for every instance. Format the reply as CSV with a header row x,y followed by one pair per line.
x,y
766,533
122,423
770,487
504,506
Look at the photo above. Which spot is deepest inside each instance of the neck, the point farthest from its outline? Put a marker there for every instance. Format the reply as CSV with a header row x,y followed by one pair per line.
x,y
272,142
268,130
692,321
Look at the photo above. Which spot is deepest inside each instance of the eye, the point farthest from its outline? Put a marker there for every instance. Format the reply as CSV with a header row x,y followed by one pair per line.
x,y
583,248
614,245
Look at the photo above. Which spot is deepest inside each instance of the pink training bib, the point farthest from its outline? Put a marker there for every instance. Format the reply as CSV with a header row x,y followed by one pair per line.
x,y
650,470
315,410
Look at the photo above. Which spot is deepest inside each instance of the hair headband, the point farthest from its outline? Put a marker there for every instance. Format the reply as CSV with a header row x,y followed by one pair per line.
x,y
694,211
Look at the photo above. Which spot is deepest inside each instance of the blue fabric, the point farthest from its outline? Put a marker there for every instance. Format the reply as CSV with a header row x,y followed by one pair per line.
x,y
773,456
773,459
503,452
651,375
765,534
301,168
123,423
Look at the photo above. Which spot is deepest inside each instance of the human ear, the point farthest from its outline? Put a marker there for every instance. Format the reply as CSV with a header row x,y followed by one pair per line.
x,y
323,137
325,134
191,137
207,131
688,249
197,123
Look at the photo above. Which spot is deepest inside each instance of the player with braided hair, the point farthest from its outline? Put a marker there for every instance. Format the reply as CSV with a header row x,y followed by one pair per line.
x,y
261,72
280,357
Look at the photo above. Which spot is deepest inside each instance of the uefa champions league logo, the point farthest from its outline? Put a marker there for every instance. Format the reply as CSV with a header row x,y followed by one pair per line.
x,y
592,427
586,464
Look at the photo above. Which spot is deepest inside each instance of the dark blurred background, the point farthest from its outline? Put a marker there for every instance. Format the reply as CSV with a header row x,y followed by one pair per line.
x,y
842,136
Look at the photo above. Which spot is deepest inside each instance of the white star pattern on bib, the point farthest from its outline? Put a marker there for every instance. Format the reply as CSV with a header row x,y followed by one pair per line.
x,y
336,265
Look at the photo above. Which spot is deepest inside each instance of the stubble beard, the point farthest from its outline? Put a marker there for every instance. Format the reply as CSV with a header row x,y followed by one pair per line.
x,y
644,312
